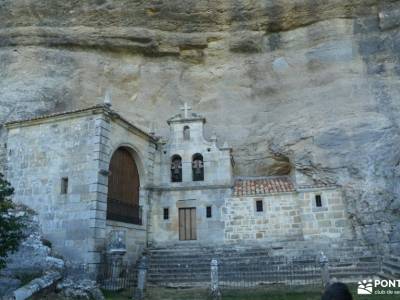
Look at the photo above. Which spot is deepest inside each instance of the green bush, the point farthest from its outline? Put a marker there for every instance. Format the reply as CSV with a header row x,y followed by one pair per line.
x,y
10,225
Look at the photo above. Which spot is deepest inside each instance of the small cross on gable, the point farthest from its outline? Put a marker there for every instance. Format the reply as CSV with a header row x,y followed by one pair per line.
x,y
186,109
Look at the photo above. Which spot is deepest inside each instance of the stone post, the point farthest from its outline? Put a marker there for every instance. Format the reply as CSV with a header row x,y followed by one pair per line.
x,y
324,264
141,278
215,291
115,253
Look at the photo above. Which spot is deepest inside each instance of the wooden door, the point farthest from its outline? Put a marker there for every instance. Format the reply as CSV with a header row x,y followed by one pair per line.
x,y
123,188
187,224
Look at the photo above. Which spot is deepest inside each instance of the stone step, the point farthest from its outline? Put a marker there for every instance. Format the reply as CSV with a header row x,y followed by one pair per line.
x,y
259,261
252,264
208,253
333,271
249,253
391,271
233,275
251,277
286,248
391,264
233,256
385,275
207,260
190,266
241,250
182,279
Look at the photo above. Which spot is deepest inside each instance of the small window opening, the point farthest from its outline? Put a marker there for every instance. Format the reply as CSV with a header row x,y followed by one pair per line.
x,y
166,213
259,205
318,201
64,185
209,211
186,133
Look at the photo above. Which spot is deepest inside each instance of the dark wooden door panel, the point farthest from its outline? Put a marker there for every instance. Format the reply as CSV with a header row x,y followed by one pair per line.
x,y
181,224
123,188
193,231
187,224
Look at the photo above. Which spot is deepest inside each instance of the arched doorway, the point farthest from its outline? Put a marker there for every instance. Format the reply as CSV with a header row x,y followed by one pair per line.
x,y
123,188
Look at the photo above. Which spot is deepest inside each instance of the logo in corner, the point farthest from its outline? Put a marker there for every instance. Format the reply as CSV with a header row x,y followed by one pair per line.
x,y
365,287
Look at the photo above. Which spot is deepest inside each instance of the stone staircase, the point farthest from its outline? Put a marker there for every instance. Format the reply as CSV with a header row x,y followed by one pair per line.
x,y
190,266
390,267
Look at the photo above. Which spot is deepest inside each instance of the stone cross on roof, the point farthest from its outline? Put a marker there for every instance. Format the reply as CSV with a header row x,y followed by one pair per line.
x,y
108,98
186,109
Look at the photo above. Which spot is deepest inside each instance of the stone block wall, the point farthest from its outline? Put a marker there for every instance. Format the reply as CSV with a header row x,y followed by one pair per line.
x,y
41,154
209,230
287,216
279,221
77,146
328,221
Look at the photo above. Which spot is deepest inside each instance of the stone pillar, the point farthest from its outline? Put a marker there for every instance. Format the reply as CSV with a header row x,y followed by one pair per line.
x,y
324,264
141,278
115,255
215,291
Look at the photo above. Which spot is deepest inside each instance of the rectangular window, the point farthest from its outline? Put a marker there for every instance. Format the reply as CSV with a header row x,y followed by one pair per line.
x,y
209,212
259,205
166,213
318,201
64,185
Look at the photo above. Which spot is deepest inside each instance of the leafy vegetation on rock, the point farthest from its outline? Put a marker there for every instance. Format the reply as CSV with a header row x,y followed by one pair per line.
x,y
11,225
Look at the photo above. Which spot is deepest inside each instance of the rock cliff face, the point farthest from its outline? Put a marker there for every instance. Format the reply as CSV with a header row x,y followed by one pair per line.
x,y
307,83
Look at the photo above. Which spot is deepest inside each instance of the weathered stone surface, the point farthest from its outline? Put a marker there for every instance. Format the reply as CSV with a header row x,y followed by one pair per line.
x,y
33,258
35,286
319,89
83,289
389,19
8,285
247,42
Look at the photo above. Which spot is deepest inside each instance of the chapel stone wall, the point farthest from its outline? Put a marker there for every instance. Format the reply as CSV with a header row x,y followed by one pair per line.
x,y
328,221
189,193
279,221
217,161
287,217
210,231
40,155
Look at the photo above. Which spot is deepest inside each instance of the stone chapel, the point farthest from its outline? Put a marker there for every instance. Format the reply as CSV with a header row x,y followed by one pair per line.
x,y
90,172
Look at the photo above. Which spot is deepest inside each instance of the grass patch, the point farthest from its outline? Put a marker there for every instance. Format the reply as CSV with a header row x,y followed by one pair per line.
x,y
123,295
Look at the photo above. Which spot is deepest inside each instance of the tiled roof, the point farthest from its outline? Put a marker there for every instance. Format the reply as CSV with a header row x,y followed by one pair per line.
x,y
262,186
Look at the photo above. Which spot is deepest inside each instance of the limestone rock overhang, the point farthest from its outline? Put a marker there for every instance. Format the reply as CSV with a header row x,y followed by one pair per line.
x,y
96,109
